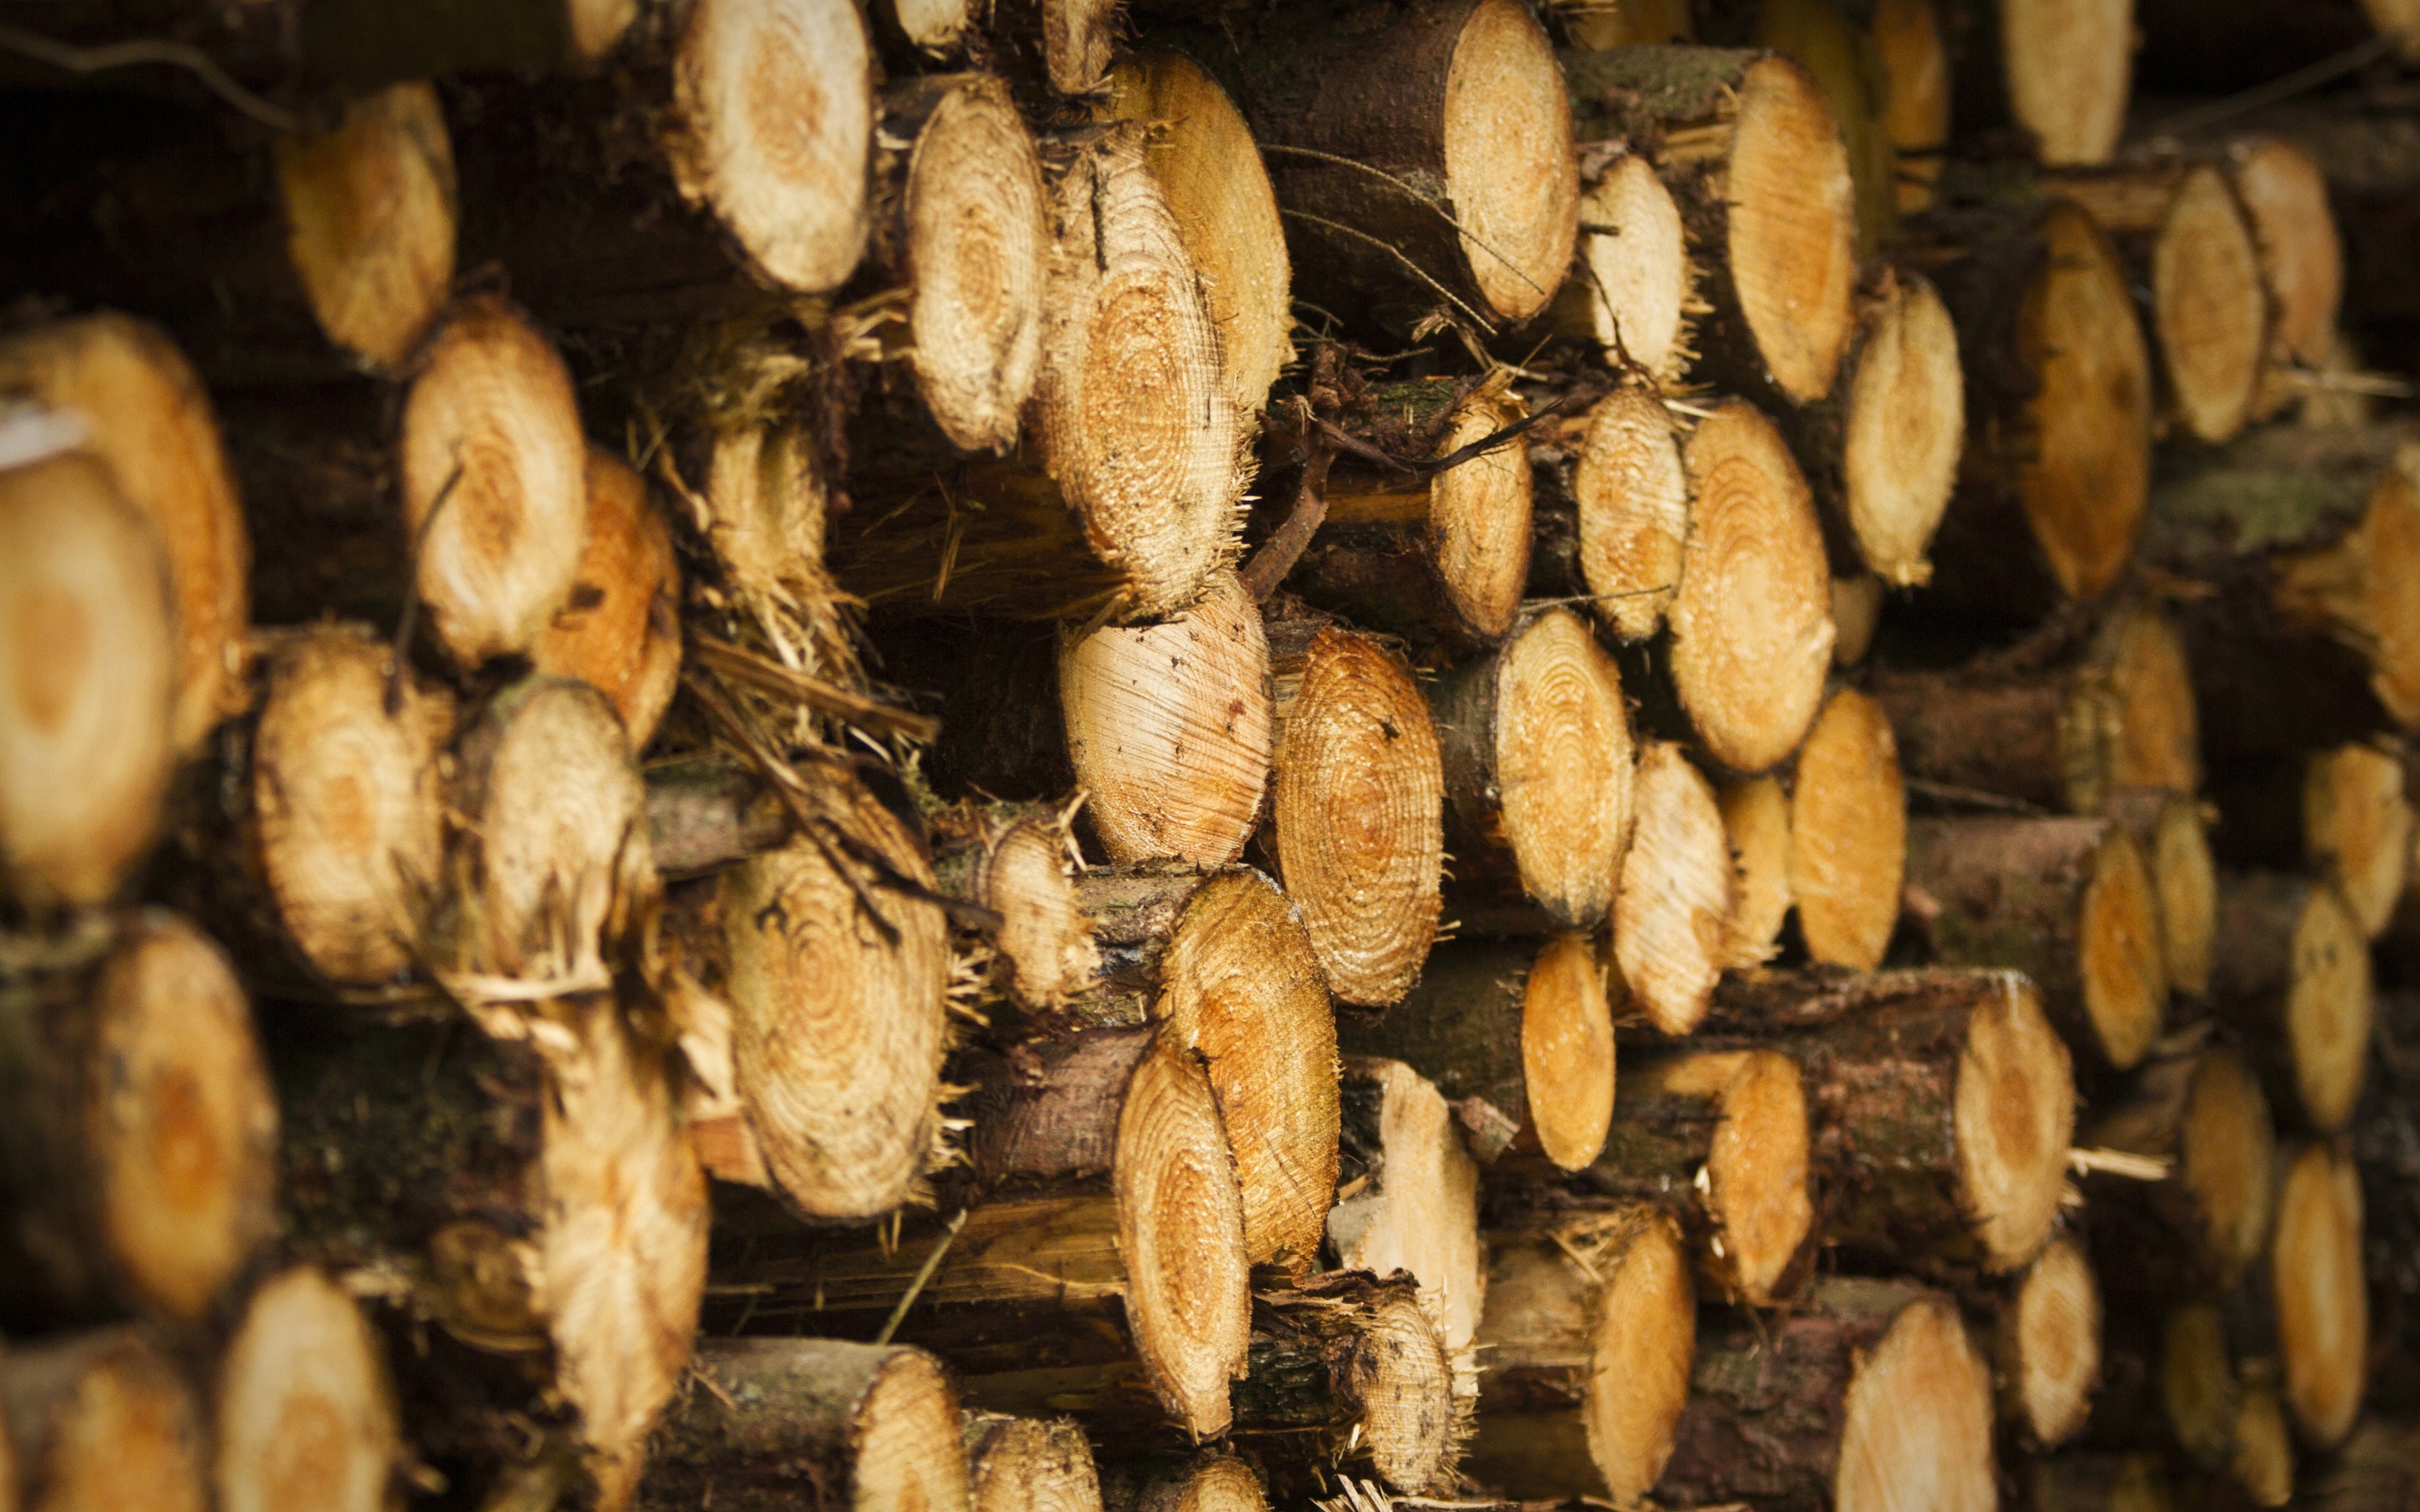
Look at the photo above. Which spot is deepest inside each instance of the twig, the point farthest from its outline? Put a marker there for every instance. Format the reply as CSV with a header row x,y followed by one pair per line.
x,y
924,1273
747,668
2336,66
148,49
1281,552
409,621
1396,252
1975,798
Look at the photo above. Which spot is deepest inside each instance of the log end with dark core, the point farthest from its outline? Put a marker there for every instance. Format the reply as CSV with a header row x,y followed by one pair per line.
x,y
2049,1345
2015,1112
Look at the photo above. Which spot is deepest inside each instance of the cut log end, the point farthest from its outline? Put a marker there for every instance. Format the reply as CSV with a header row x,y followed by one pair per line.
x,y
88,679
2084,486
1917,1428
1639,275
1905,428
908,1440
1210,169
1793,228
1479,519
776,113
2329,1001
1673,921
1022,1464
369,220
2302,260
1756,1166
306,1416
977,250
2050,1346
496,483
2226,1158
1241,987
184,1121
1856,614
149,421
1633,501
2209,307
2357,828
2013,1118
1641,1347
1848,834
2262,1463
1169,727
347,803
2067,67
1181,1230
104,1420
2366,590
2158,740
1916,98
1752,626
1511,173
1756,817
1562,765
2121,962
2321,1297
1423,1214
839,1019
1045,934
2198,1390
1357,809
1406,1382
620,629
938,27
1567,1051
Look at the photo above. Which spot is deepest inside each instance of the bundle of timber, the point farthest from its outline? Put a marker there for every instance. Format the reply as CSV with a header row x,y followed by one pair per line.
x,y
1191,756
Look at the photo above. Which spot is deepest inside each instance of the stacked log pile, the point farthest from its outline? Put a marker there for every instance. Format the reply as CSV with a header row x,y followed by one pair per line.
x,y
770,753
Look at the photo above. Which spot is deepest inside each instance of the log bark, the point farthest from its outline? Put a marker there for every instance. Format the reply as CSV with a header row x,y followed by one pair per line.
x,y
2070,903
304,1408
1672,916
1870,1391
2203,1224
140,1145
1536,746
101,1420
502,1186
1721,1138
2062,721
2293,976
1407,1197
1356,800
1941,1101
93,650
1439,560
818,1423
1458,107
1523,1033
148,421
2060,404
1753,158
1589,1342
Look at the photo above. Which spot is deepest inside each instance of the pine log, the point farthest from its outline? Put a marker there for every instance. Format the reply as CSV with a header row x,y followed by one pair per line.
x,y
2301,257
1408,1195
1631,292
1672,916
2261,1469
1423,158
835,980
304,1411
2059,410
2062,722
1856,615
1630,502
1847,834
1519,1038
1588,1343
1871,1394
2373,1471
1821,36
102,1420
1753,158
1023,1464
2291,974
148,421
1355,806
87,634
2322,1301
1019,862
1211,1480
1130,492
2338,813
1101,1242
818,1425
2308,536
1202,153
2070,903
2046,1346
2187,240
2205,1222
2096,1482
1909,44
1536,746
2173,832
1439,560
140,1143
1756,821
503,1189
2385,1141
1941,1103
1881,451
1721,1137
620,630
2058,70
1070,39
